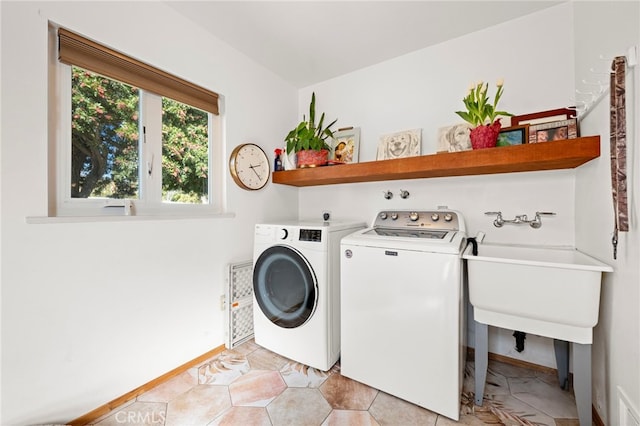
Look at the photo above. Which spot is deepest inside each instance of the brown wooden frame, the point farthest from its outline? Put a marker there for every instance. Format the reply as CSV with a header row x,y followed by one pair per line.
x,y
552,115
571,124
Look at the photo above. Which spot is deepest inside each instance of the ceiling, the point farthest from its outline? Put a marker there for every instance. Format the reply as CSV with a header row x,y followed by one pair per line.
x,y
306,42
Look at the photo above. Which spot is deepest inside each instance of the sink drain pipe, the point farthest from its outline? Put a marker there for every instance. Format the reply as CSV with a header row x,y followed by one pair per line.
x,y
520,336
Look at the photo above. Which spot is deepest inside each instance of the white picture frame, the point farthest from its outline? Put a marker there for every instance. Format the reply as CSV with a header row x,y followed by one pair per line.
x,y
400,145
345,145
455,138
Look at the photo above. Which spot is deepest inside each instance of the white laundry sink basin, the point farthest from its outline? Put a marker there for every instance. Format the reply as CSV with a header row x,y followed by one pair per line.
x,y
548,291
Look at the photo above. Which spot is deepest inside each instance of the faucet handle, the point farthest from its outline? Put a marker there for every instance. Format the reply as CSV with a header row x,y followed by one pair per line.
x,y
499,221
536,222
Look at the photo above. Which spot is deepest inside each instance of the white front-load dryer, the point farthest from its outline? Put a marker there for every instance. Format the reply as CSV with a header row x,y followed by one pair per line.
x,y
296,287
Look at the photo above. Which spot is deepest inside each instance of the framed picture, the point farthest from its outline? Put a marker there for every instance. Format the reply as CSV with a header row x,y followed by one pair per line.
x,y
554,131
544,116
454,138
514,135
399,145
345,145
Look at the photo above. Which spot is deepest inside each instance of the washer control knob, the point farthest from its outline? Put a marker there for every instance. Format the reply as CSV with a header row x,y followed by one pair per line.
x,y
448,217
394,216
382,215
435,217
283,234
413,216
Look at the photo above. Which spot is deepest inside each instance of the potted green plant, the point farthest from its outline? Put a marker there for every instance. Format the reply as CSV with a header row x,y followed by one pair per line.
x,y
309,140
482,114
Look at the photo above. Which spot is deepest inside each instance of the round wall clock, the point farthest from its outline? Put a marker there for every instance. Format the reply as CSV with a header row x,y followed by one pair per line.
x,y
249,166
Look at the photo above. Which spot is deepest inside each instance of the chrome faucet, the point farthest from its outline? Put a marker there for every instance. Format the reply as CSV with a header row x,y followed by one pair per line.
x,y
499,220
535,223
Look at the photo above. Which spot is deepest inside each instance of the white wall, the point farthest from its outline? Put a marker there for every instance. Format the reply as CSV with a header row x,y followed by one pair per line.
x,y
91,311
73,339
607,30
422,90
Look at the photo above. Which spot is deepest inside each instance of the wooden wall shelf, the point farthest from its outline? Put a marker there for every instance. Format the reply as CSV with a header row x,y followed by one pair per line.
x,y
565,154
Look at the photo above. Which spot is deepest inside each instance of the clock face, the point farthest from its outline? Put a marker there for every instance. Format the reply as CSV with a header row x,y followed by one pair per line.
x,y
249,166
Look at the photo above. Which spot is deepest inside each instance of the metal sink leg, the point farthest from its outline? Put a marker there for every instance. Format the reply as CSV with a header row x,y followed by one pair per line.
x,y
561,348
481,359
582,381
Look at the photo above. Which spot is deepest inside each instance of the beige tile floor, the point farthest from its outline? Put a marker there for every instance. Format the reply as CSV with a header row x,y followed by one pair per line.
x,y
250,385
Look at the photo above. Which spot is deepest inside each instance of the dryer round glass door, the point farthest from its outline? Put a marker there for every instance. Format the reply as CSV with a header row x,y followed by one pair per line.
x,y
285,286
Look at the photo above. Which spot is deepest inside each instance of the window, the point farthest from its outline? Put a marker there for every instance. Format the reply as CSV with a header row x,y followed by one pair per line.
x,y
104,137
128,134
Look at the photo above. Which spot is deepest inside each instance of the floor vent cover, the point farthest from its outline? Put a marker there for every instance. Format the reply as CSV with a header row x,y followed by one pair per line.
x,y
239,304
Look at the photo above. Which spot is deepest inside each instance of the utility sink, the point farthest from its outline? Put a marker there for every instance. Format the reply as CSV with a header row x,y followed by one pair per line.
x,y
548,291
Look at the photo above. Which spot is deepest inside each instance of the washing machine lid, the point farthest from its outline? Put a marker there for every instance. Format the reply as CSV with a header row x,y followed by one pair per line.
x,y
408,233
441,231
451,242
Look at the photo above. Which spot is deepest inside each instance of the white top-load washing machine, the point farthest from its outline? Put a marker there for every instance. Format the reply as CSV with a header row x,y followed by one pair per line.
x,y
296,286
402,303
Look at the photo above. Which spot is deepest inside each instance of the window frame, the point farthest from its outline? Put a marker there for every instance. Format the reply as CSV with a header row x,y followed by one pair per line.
x,y
149,201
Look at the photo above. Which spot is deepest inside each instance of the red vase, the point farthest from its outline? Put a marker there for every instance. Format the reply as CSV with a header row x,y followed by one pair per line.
x,y
312,158
485,136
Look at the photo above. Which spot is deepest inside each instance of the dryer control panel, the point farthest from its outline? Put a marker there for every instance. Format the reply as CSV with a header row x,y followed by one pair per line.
x,y
314,235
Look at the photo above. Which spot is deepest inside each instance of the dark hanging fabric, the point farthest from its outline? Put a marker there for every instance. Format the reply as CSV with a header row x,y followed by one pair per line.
x,y
618,145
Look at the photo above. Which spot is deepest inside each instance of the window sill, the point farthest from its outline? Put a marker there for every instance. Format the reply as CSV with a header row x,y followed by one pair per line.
x,y
87,219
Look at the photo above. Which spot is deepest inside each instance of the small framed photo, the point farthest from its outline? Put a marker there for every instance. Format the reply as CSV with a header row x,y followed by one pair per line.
x,y
544,116
554,131
514,135
454,138
345,145
400,145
